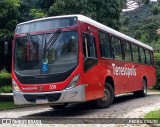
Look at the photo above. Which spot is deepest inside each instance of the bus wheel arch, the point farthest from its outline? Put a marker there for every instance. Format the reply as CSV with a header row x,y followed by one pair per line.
x,y
109,95
110,80
143,92
145,78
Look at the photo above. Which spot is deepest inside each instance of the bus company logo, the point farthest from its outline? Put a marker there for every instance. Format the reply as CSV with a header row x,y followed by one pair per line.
x,y
124,70
29,88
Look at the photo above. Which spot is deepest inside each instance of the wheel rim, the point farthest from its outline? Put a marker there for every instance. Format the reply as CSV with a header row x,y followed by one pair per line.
x,y
106,95
144,87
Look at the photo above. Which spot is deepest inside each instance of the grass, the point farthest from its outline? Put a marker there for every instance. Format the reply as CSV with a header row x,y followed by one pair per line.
x,y
6,89
7,105
153,114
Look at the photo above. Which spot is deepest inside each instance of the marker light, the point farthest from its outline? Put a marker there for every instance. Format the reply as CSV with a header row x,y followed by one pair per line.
x,y
73,83
15,86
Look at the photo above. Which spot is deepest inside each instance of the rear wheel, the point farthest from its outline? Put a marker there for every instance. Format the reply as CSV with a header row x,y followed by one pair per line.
x,y
63,106
108,98
143,92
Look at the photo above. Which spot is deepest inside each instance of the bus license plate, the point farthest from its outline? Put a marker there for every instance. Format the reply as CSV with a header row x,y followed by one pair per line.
x,y
41,101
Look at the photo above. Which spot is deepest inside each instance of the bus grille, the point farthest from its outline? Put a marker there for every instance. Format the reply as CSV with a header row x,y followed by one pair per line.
x,y
50,97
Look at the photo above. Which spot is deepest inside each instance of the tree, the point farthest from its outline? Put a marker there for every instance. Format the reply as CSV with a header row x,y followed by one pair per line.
x,y
30,10
105,11
44,4
157,63
8,14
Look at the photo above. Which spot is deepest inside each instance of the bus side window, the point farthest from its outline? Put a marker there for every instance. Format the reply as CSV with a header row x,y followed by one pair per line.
x,y
142,55
104,44
89,46
148,57
127,50
135,53
116,48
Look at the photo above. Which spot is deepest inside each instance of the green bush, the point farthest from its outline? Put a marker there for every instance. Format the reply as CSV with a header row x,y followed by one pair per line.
x,y
156,9
6,89
5,79
157,62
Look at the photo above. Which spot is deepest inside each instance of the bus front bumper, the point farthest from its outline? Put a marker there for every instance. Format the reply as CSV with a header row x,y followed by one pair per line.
x,y
76,94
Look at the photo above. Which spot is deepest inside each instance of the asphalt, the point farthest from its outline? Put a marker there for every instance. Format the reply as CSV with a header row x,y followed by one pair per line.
x,y
6,97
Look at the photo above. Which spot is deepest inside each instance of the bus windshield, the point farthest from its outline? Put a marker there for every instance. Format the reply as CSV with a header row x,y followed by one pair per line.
x,y
61,57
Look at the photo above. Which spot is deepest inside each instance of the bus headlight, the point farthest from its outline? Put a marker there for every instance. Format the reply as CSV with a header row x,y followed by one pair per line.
x,y
15,86
73,83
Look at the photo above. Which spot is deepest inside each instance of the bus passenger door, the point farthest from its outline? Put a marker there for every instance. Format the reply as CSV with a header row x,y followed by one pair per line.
x,y
91,70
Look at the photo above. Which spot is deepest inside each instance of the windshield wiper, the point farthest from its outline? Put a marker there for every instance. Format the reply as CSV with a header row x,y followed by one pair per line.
x,y
44,54
53,39
48,46
30,41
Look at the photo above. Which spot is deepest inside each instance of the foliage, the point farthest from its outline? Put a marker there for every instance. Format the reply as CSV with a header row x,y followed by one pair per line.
x,y
156,9
5,79
157,62
104,11
125,20
6,89
36,13
29,10
142,24
11,13
8,13
44,4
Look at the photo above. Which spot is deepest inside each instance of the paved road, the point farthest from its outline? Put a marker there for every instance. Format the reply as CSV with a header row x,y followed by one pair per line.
x,y
124,107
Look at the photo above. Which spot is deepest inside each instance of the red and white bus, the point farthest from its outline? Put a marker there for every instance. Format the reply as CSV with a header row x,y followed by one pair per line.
x,y
66,59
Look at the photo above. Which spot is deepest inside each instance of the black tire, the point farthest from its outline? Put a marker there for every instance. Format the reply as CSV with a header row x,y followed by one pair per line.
x,y
108,99
143,92
63,106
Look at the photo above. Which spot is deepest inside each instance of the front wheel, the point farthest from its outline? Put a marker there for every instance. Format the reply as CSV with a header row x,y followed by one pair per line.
x,y
143,92
108,98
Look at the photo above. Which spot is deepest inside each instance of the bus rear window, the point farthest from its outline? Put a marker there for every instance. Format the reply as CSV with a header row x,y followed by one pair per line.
x,y
46,24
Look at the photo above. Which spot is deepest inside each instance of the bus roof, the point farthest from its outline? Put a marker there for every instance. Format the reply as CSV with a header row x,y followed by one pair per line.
x,y
98,25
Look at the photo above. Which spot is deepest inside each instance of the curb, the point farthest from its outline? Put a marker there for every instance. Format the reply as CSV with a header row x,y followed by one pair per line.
x,y
6,96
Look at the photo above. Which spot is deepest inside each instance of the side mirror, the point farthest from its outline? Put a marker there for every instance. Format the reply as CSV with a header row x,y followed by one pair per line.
x,y
6,48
